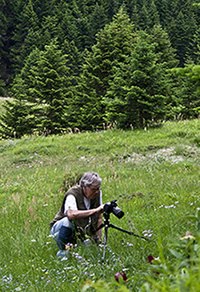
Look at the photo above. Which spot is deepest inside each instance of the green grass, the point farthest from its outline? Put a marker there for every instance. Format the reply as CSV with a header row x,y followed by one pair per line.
x,y
153,174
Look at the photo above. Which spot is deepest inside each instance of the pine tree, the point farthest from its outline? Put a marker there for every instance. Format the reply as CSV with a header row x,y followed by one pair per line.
x,y
44,8
49,87
8,15
17,120
20,117
135,15
189,92
167,12
139,87
193,50
41,90
111,8
50,29
163,48
69,19
144,21
130,8
98,20
74,59
25,37
182,29
152,14
114,43
3,26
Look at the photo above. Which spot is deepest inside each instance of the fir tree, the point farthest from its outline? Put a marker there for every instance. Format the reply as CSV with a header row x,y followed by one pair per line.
x,y
139,88
152,14
50,29
114,43
41,88
17,120
8,16
49,87
163,48
189,92
3,28
144,21
182,29
26,27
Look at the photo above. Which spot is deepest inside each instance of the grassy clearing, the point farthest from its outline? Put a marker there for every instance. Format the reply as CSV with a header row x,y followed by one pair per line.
x,y
153,174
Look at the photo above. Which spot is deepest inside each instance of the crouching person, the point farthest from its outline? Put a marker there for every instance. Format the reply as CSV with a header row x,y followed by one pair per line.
x,y
80,214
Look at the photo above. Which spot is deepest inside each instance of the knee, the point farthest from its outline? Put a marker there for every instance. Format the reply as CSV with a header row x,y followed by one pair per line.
x,y
65,236
67,223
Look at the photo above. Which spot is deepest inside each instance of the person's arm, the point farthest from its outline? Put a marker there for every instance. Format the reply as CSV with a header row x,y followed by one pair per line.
x,y
76,214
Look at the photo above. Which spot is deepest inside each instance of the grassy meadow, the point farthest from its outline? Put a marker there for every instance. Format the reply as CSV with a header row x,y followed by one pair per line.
x,y
154,176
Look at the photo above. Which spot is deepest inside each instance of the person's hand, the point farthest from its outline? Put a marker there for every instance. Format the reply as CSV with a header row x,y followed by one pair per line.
x,y
100,209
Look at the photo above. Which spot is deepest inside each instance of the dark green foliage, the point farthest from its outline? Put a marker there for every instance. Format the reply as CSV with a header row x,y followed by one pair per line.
x,y
189,77
8,16
18,120
154,18
31,23
182,28
98,42
25,35
114,43
140,88
136,95
143,22
3,28
42,88
193,55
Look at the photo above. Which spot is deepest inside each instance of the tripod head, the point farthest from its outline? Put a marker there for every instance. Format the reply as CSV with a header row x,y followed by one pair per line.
x,y
112,207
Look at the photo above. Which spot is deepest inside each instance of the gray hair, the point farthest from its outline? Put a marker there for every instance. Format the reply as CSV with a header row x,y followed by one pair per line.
x,y
90,178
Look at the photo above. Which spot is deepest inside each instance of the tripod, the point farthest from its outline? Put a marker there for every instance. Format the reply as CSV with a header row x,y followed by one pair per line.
x,y
106,225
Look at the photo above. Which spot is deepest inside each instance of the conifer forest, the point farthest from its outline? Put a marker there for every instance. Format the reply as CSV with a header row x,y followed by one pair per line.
x,y
85,65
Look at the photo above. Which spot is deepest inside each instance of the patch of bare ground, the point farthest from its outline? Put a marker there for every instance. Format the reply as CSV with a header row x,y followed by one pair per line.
x,y
170,154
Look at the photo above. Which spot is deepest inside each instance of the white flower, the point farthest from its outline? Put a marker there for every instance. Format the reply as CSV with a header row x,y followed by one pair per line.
x,y
33,240
188,235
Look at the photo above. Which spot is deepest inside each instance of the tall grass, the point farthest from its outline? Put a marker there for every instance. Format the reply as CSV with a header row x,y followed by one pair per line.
x,y
153,175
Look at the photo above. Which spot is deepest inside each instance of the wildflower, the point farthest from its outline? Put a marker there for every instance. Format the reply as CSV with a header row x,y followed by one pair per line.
x,y
188,235
147,233
170,206
151,259
121,275
129,244
33,240
7,279
68,246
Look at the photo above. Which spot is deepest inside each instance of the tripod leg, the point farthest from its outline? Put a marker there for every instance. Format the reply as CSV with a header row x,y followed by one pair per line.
x,y
105,242
126,231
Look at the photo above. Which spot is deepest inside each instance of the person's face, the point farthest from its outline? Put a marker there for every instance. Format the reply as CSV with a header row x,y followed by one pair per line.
x,y
92,191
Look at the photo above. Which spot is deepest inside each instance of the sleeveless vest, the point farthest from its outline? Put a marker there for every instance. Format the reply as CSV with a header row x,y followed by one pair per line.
x,y
84,225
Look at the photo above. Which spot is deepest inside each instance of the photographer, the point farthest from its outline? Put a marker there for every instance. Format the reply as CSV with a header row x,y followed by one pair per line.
x,y
80,212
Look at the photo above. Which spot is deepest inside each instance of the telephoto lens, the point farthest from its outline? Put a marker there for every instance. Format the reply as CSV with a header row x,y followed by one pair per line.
x,y
112,207
118,212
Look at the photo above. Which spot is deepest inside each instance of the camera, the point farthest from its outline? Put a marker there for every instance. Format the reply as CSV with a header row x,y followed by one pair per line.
x,y
112,207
